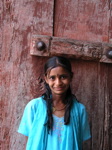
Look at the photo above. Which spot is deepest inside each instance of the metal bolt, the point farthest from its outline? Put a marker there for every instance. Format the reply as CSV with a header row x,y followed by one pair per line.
x,y
41,46
109,54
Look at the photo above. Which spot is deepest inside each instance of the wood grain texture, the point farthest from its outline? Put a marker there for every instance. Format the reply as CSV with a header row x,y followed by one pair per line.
x,y
83,50
91,85
95,51
110,104
110,23
21,73
82,19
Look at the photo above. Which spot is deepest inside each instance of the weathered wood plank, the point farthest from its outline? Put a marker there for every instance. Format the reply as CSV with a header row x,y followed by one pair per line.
x,y
76,49
110,104
82,19
110,23
21,75
71,48
90,86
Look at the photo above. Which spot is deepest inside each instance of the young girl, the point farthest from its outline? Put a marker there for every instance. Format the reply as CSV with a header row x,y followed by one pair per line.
x,y
56,120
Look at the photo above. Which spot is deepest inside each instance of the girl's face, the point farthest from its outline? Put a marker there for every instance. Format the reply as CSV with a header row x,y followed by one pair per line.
x,y
58,80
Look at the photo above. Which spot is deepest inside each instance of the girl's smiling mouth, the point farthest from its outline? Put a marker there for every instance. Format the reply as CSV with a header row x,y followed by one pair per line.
x,y
58,88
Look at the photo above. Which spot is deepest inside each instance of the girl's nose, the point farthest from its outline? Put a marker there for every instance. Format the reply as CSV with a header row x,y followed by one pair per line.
x,y
58,82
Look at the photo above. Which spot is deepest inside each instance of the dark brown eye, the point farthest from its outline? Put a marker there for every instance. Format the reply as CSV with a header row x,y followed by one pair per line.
x,y
63,76
52,77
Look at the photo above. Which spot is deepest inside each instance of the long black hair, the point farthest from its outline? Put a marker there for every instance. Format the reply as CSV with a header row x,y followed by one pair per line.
x,y
50,64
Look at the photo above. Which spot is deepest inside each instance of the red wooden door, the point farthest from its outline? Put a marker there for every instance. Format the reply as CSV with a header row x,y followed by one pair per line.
x,y
20,75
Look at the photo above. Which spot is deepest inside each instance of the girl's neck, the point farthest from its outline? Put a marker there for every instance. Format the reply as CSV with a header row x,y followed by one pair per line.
x,y
58,98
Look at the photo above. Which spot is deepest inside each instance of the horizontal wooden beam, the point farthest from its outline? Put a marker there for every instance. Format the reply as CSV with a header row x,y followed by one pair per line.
x,y
42,45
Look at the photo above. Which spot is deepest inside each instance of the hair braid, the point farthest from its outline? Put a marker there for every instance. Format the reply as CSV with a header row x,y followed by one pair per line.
x,y
47,97
68,106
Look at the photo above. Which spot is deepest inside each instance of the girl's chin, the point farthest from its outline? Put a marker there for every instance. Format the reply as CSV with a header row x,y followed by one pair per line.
x,y
59,93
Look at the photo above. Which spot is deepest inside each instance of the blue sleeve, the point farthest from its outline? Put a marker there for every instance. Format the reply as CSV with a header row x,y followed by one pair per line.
x,y
85,128
27,119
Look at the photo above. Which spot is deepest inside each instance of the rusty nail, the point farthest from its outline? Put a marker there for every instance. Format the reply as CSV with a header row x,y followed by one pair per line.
x,y
109,54
41,45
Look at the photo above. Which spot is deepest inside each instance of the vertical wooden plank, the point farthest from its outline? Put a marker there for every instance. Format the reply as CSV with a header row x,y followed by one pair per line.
x,y
21,73
91,87
110,103
82,19
110,24
103,112
85,86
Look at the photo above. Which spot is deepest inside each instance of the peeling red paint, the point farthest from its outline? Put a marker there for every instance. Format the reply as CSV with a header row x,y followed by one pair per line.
x,y
20,76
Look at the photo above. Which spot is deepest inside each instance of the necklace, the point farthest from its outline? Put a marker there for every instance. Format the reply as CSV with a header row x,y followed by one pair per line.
x,y
55,109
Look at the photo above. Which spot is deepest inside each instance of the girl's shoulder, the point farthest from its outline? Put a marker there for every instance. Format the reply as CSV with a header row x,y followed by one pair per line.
x,y
34,103
79,106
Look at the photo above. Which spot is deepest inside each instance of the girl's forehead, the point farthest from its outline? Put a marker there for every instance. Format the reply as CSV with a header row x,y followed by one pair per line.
x,y
58,70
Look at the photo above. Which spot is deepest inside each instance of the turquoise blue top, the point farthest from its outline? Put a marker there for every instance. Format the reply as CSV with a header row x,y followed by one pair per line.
x,y
55,139
63,137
